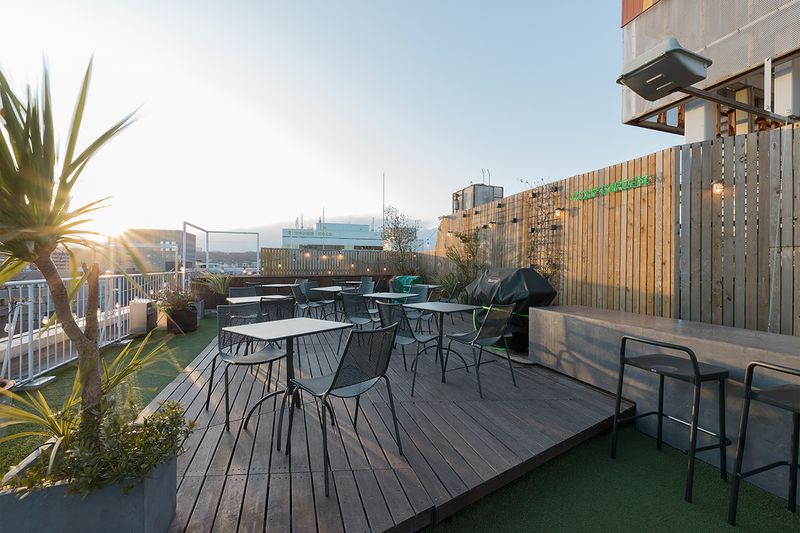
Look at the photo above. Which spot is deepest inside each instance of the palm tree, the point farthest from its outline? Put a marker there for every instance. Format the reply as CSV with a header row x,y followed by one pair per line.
x,y
36,216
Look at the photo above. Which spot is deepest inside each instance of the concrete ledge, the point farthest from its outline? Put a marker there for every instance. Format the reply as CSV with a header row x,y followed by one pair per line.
x,y
584,343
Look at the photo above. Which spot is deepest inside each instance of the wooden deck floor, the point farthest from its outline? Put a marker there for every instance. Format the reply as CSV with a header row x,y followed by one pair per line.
x,y
458,448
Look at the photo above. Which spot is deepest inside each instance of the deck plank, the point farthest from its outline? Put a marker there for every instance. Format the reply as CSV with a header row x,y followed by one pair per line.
x,y
457,447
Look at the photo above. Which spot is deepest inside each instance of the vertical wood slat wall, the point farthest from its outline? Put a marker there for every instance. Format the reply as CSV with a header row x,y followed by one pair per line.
x,y
713,239
293,262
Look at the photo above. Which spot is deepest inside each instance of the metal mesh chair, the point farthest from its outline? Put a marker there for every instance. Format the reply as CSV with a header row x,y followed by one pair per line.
x,y
273,309
395,286
363,363
382,285
786,397
356,311
452,296
491,331
434,295
396,314
235,349
420,293
236,292
304,305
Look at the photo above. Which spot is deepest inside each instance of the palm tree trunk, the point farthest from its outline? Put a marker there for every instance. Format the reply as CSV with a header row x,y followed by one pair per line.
x,y
84,341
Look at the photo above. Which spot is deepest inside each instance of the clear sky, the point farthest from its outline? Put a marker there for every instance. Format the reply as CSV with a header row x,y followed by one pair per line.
x,y
254,112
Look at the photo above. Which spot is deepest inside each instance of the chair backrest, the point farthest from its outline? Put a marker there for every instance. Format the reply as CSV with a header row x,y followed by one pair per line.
x,y
234,292
367,286
235,315
395,286
420,293
339,282
365,358
301,282
495,322
299,295
272,309
382,285
366,278
435,295
395,314
457,288
354,306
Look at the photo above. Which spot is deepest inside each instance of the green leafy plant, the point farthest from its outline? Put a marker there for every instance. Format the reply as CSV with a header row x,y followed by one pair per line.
x,y
175,299
36,215
218,283
94,440
119,450
465,259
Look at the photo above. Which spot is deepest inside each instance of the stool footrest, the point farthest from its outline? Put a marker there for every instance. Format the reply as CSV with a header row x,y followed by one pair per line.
x,y
726,442
764,468
674,419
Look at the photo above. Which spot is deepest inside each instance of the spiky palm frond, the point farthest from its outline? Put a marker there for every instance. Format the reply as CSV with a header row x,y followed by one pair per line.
x,y
35,185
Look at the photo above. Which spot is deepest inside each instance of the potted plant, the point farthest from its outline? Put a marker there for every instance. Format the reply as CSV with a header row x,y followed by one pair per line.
x,y
180,309
97,448
218,285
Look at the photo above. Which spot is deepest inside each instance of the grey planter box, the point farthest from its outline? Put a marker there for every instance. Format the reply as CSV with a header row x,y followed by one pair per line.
x,y
147,508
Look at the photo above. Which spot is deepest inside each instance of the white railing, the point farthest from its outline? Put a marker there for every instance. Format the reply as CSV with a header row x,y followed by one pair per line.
x,y
28,349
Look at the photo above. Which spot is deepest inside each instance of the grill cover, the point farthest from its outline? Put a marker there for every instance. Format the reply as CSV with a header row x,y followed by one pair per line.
x,y
523,287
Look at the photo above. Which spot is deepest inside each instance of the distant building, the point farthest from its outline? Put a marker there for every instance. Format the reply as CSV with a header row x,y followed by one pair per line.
x,y
160,250
331,236
755,49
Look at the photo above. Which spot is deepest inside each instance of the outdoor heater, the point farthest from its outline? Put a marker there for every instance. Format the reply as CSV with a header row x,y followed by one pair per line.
x,y
668,68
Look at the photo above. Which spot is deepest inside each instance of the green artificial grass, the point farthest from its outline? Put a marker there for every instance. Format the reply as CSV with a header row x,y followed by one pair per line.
x,y
641,490
143,386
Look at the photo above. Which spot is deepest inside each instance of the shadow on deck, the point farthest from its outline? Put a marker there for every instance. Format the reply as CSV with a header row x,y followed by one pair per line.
x,y
458,447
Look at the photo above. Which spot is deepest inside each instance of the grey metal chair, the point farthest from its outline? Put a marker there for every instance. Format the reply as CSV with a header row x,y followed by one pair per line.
x,y
688,370
367,286
382,285
304,305
420,293
396,314
395,286
453,296
363,364
434,295
236,292
786,397
237,350
491,331
355,310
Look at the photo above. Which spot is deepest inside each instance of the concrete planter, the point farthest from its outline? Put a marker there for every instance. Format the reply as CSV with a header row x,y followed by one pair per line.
x,y
147,508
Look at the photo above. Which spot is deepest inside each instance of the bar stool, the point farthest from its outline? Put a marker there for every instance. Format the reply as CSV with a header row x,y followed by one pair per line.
x,y
785,397
683,369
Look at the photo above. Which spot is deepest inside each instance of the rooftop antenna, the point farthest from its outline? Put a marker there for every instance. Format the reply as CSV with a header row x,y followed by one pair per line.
x,y
301,222
489,174
383,206
483,177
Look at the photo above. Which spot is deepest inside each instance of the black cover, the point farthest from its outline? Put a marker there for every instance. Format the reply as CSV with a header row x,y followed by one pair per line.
x,y
523,287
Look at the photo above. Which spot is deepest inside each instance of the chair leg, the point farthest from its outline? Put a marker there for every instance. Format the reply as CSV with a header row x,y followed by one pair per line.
x,y
325,450
660,415
355,414
394,415
211,381
618,406
280,417
723,449
414,367
403,351
292,406
793,450
478,368
737,464
227,402
328,406
693,443
510,366
269,376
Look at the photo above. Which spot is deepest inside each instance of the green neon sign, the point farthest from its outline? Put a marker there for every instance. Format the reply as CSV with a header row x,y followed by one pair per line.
x,y
617,186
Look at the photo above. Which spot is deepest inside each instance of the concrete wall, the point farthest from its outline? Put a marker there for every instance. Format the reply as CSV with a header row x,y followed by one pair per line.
x,y
584,343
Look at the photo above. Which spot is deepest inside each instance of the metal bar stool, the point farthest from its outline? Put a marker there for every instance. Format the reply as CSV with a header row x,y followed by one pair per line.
x,y
683,369
785,397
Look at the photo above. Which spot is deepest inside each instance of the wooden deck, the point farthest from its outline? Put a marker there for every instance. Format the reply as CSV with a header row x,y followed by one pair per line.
x,y
458,448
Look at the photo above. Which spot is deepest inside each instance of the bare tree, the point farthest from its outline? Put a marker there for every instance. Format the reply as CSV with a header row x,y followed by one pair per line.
x,y
399,235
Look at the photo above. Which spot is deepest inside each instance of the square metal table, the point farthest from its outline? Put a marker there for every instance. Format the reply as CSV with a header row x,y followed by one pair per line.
x,y
333,290
255,299
279,286
430,286
388,296
440,309
288,330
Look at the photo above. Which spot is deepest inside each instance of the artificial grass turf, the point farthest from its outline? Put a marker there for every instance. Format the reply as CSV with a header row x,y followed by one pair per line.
x,y
641,490
141,387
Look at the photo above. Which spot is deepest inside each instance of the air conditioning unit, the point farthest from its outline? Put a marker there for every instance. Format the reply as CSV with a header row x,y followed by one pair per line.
x,y
143,316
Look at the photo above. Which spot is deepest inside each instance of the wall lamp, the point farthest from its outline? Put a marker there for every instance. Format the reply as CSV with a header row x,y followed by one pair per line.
x,y
717,186
559,212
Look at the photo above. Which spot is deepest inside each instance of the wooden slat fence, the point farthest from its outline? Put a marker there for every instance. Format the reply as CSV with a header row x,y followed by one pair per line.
x,y
291,262
709,235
